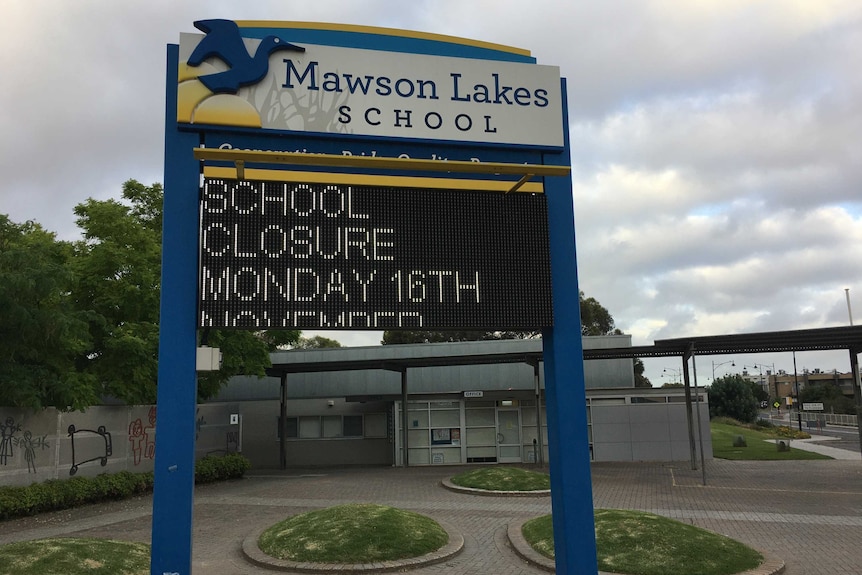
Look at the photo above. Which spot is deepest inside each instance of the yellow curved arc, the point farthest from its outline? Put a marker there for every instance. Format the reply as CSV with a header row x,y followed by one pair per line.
x,y
384,32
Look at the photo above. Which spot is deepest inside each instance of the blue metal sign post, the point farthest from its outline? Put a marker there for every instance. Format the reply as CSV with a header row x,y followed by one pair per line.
x,y
177,390
565,388
358,92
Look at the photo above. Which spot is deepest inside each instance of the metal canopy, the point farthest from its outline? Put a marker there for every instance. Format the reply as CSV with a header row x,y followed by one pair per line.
x,y
822,339
401,364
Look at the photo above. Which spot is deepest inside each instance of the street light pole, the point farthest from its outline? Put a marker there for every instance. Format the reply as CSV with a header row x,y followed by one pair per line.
x,y
677,374
798,400
714,365
760,367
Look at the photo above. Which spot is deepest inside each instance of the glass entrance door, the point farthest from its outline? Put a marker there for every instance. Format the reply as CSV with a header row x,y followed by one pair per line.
x,y
508,436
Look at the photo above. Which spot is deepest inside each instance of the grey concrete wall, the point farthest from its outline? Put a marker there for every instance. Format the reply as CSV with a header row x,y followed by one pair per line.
x,y
646,432
261,444
35,447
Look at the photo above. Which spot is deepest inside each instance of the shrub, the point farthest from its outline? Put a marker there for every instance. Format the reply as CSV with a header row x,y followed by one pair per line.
x,y
213,468
53,495
790,433
731,396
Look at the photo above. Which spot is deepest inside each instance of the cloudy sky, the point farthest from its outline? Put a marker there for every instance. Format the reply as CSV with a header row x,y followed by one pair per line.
x,y
717,156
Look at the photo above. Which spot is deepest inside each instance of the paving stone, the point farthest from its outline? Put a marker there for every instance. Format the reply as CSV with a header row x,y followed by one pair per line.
x,y
805,513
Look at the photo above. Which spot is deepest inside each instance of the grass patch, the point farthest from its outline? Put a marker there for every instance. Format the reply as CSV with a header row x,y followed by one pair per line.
x,y
355,533
639,543
503,479
75,557
761,445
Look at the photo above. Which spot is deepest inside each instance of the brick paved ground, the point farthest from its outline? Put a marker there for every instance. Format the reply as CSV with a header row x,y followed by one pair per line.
x,y
808,513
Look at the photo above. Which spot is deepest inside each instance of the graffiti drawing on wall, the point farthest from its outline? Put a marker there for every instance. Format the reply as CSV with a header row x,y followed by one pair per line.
x,y
27,442
200,422
7,435
103,458
232,438
143,439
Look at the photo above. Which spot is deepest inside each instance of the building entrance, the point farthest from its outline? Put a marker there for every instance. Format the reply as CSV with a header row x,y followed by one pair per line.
x,y
508,436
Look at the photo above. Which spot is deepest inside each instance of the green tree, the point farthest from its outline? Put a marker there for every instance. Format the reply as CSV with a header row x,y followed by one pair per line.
x,y
732,396
595,318
760,394
41,334
316,342
403,336
640,379
830,395
117,267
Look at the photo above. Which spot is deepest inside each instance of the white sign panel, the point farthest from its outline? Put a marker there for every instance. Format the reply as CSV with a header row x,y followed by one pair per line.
x,y
812,406
329,89
473,394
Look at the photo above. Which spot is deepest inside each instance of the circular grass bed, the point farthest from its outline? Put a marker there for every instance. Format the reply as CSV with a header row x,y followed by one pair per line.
x,y
503,479
354,533
74,557
639,543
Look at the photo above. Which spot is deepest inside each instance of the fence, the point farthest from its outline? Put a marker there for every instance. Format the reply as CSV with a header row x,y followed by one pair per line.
x,y
830,418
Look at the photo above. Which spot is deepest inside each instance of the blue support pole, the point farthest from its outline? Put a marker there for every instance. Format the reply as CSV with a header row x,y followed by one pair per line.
x,y
173,496
565,388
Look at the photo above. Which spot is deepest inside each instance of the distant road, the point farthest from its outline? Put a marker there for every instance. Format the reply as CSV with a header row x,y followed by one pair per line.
x,y
845,437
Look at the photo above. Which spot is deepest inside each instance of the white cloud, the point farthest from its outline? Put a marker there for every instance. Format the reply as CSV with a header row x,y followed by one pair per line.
x,y
715,144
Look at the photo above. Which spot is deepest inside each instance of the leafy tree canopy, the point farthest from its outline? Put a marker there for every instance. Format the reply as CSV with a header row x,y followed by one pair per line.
x,y
732,396
80,321
117,267
316,342
595,320
760,394
640,379
41,333
830,395
397,337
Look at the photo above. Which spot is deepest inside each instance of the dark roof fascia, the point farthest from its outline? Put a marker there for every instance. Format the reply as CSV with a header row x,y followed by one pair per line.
x,y
400,364
821,339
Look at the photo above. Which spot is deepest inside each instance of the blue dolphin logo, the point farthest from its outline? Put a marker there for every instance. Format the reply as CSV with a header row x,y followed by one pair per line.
x,y
223,41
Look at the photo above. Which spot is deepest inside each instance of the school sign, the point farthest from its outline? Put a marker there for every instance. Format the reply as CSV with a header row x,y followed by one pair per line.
x,y
342,177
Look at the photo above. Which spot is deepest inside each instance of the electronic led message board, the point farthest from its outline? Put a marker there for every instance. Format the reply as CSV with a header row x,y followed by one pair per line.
x,y
305,244
326,256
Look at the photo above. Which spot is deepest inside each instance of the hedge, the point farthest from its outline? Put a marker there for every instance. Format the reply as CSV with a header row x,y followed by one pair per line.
x,y
56,494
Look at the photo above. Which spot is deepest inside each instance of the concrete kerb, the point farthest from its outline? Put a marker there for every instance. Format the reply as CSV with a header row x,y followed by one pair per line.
x,y
252,552
770,566
833,452
489,493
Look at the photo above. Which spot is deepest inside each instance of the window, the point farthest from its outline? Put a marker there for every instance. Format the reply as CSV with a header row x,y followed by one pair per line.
x,y
292,427
332,426
352,426
309,427
644,399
